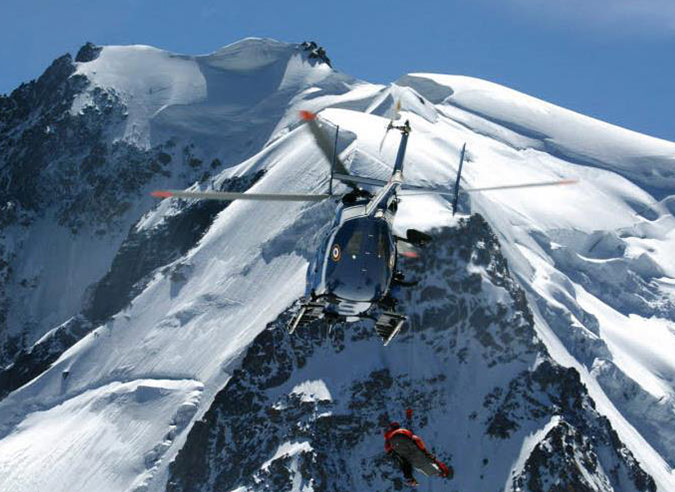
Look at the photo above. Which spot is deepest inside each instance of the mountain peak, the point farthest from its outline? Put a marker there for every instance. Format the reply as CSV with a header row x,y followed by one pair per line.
x,y
254,53
540,338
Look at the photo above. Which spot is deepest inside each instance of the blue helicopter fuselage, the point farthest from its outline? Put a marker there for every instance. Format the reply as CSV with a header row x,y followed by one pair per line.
x,y
356,263
353,268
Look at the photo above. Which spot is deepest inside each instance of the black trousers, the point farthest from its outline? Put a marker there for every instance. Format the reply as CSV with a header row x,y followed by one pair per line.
x,y
404,465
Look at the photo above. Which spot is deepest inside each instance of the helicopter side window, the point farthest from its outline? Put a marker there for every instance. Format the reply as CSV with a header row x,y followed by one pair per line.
x,y
355,242
382,249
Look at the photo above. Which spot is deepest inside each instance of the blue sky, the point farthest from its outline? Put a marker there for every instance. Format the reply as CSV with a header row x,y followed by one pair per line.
x,y
612,59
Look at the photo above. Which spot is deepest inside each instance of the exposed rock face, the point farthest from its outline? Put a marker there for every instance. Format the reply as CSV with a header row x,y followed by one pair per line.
x,y
285,421
55,163
141,253
29,364
49,155
64,172
88,52
316,52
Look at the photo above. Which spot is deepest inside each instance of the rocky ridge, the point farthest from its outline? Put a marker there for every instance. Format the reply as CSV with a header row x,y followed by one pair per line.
x,y
264,433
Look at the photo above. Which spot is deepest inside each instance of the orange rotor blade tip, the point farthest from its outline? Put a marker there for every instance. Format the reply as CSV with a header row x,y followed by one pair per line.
x,y
307,115
161,194
569,181
410,254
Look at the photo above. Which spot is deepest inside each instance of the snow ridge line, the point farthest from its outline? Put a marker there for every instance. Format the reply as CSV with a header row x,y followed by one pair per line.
x,y
27,407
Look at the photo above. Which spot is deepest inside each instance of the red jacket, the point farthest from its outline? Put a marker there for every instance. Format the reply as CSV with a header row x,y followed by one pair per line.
x,y
405,432
445,471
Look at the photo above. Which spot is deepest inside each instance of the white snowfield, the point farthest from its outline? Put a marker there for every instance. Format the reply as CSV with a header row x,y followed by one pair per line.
x,y
114,410
113,423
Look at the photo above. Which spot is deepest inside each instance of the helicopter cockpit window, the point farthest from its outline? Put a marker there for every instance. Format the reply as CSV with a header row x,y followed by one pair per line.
x,y
362,271
354,243
382,246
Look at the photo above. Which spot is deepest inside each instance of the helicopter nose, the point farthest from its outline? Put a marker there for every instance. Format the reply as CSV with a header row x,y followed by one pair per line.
x,y
359,287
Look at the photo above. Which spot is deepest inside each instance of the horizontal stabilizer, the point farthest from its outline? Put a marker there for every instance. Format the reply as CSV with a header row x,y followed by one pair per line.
x,y
359,180
404,248
409,190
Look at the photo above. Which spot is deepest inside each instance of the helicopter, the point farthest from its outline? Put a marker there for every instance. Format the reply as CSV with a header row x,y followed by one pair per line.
x,y
354,270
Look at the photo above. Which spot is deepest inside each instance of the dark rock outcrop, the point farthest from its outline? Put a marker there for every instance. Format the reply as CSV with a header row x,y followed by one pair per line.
x,y
141,254
316,52
88,52
264,432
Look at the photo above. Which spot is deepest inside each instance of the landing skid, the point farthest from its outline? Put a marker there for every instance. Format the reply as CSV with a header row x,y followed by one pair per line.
x,y
388,325
308,312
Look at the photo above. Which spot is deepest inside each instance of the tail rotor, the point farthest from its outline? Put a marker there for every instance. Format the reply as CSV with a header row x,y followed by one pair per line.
x,y
394,117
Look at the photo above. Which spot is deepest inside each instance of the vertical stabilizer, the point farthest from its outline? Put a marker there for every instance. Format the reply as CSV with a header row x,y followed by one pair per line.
x,y
459,175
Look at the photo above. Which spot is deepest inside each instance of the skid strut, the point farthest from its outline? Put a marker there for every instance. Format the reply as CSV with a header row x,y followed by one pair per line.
x,y
388,325
308,312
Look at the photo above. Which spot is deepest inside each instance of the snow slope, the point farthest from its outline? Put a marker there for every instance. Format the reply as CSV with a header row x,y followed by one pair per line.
x,y
125,423
596,260
154,120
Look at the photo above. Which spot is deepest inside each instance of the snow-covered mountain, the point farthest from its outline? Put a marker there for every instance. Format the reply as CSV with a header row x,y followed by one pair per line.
x,y
142,344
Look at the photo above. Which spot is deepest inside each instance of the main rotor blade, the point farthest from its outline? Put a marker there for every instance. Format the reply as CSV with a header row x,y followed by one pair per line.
x,y
228,195
524,185
323,142
408,190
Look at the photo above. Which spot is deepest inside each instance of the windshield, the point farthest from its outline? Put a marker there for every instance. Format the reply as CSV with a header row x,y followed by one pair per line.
x,y
359,267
